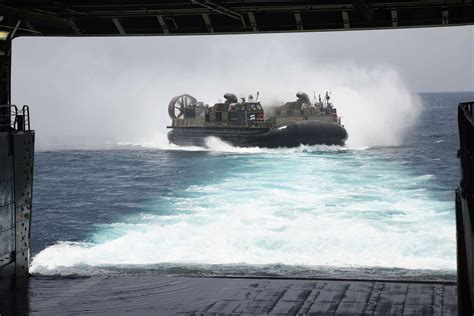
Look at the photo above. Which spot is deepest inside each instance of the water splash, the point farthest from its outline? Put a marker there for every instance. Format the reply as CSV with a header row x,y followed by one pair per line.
x,y
377,108
216,145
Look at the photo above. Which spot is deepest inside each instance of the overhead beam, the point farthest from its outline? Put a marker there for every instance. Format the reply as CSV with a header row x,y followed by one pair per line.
x,y
253,21
69,20
361,7
299,22
173,21
207,21
445,17
118,26
27,30
345,20
163,25
139,9
220,9
35,17
12,35
73,25
394,18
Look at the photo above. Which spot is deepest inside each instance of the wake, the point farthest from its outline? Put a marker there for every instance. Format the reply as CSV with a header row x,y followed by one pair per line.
x,y
216,145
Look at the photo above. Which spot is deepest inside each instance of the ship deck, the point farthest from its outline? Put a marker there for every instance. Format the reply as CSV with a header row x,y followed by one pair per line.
x,y
164,295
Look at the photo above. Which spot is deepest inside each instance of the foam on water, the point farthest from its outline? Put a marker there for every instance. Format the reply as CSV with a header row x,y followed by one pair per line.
x,y
216,145
310,206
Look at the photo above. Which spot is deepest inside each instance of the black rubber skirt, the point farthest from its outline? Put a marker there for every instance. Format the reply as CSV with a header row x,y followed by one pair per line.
x,y
289,135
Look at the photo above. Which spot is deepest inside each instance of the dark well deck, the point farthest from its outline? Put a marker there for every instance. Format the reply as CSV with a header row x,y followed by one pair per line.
x,y
164,295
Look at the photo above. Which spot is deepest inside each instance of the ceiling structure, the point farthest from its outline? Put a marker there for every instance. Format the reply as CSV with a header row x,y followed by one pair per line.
x,y
179,17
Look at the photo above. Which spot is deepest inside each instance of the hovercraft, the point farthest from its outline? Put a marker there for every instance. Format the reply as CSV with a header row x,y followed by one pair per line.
x,y
243,124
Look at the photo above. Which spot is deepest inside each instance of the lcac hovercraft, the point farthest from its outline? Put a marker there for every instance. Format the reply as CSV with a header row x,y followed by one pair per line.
x,y
244,124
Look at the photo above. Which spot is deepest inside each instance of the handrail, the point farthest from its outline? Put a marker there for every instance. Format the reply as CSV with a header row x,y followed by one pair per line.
x,y
7,118
468,108
26,113
14,120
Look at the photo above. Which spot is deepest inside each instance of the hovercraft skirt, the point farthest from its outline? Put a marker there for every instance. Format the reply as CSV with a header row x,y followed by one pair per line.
x,y
290,135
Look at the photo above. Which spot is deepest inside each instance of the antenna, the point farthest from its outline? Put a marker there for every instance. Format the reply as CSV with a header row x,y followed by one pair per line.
x,y
258,93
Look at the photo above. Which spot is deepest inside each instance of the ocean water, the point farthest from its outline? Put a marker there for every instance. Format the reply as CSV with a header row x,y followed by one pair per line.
x,y
311,211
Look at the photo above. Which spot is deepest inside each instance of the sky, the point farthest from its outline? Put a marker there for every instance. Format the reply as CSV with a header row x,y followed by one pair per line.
x,y
88,91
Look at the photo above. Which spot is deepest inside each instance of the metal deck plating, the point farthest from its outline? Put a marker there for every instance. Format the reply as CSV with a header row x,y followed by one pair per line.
x,y
165,295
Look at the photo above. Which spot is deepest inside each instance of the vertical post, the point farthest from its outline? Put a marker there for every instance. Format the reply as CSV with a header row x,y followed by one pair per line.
x,y
465,210
5,72
7,194
394,18
16,185
345,20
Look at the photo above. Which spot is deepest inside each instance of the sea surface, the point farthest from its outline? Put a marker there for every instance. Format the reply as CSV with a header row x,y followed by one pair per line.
x,y
311,211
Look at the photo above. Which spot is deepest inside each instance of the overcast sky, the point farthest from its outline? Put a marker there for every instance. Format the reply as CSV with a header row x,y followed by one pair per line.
x,y
130,77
